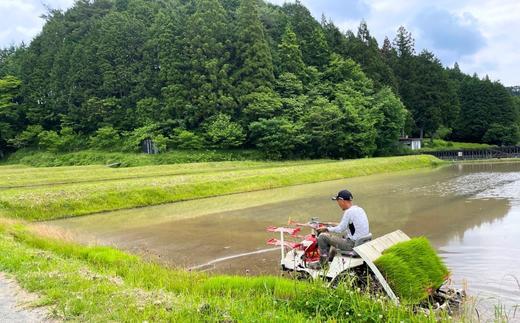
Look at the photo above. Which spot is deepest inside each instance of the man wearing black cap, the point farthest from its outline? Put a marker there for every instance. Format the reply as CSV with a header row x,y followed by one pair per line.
x,y
353,225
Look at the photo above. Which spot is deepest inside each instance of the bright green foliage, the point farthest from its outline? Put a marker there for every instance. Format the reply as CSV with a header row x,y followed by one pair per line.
x,y
106,138
64,141
413,269
323,126
224,133
391,116
185,139
439,144
264,104
134,139
277,137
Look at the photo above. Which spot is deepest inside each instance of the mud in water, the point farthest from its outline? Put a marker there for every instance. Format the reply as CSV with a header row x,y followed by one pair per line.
x,y
470,212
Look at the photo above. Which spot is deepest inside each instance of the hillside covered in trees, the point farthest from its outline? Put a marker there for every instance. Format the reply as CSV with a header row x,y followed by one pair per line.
x,y
193,74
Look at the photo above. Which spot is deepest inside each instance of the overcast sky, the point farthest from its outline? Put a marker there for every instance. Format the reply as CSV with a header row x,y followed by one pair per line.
x,y
478,34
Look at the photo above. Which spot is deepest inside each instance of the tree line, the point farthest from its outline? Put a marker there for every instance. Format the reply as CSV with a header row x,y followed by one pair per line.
x,y
193,74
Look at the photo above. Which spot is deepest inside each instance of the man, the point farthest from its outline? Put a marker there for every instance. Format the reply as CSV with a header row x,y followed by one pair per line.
x,y
354,223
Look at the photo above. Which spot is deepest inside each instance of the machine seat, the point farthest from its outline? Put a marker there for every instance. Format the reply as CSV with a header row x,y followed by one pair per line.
x,y
358,242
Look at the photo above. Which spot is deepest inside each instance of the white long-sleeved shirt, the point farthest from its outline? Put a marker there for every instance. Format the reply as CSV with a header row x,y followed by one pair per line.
x,y
355,218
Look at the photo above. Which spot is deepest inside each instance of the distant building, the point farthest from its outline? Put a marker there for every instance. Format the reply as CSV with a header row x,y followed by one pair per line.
x,y
412,143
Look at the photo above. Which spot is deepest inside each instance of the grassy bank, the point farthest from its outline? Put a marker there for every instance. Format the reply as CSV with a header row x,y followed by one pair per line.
x,y
37,158
101,284
94,193
443,145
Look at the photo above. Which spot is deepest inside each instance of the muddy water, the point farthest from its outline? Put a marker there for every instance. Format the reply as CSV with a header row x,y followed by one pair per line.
x,y
471,213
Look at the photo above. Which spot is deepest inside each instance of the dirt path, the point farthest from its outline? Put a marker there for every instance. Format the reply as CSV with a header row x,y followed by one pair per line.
x,y
14,301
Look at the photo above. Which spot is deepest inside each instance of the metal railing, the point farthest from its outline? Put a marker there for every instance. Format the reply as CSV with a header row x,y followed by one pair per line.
x,y
471,154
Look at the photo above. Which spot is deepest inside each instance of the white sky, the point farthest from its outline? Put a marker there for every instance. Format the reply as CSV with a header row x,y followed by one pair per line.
x,y
478,34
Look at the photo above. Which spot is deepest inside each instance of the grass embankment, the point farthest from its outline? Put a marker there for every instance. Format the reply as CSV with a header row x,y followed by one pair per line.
x,y
443,145
89,195
413,269
38,158
101,284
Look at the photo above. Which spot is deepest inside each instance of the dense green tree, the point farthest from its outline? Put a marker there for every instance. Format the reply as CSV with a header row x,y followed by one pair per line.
x,y
304,26
10,111
488,113
206,84
324,128
390,115
277,137
254,64
106,138
195,73
290,55
222,132
319,52
364,49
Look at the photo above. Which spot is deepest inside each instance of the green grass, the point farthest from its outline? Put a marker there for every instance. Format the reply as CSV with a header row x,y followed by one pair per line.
x,y
12,176
86,194
441,145
38,158
413,269
101,284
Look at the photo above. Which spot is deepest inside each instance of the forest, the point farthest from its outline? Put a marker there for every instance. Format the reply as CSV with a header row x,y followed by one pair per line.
x,y
236,74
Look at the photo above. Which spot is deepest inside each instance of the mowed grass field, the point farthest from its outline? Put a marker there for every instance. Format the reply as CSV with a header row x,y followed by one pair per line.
x,y
48,193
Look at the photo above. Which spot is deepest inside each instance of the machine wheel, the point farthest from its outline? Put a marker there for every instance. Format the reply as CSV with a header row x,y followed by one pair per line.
x,y
360,277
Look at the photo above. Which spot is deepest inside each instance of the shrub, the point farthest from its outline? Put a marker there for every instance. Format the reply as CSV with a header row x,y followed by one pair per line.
x,y
106,138
27,138
185,139
67,140
224,133
49,140
277,137
134,139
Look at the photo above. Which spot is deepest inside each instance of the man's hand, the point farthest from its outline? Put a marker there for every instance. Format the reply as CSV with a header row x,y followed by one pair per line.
x,y
321,230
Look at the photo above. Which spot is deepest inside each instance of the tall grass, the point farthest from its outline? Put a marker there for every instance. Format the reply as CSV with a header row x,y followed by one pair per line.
x,y
38,158
49,202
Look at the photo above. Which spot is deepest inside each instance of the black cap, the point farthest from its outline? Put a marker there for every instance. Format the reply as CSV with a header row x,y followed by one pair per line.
x,y
343,195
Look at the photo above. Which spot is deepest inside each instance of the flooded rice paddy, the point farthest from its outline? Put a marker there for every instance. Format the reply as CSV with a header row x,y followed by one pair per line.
x,y
470,212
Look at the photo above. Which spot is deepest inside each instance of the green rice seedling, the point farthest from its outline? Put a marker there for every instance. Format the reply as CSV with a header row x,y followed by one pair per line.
x,y
413,269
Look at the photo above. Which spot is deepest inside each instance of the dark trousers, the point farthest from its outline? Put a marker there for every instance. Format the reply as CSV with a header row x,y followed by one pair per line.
x,y
326,240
